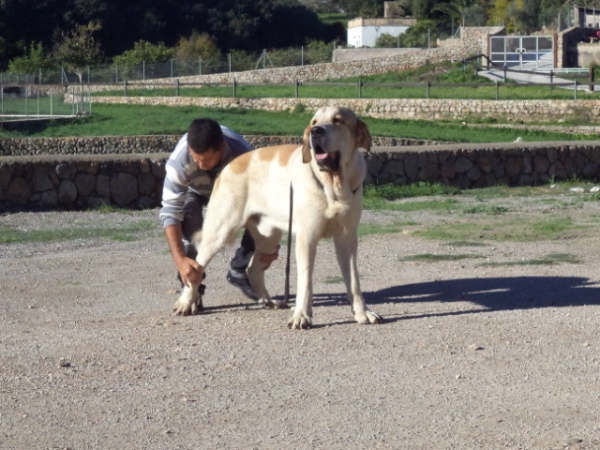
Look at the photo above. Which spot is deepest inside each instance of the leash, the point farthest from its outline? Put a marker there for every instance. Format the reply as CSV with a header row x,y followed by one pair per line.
x,y
286,289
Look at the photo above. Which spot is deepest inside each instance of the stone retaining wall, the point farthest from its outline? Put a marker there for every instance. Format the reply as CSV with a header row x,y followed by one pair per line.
x,y
124,145
135,180
410,109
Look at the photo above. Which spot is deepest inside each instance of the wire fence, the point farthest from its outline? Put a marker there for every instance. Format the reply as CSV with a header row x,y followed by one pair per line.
x,y
30,102
60,94
175,68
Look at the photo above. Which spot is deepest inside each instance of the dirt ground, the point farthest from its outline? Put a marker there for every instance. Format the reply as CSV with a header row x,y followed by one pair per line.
x,y
480,352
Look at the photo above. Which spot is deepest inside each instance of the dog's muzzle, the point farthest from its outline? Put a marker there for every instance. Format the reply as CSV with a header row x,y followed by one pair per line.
x,y
327,160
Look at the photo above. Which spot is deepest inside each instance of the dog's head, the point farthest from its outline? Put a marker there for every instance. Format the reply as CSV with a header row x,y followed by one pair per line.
x,y
333,136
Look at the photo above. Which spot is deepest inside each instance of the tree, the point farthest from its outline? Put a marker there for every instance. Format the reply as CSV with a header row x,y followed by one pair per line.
x,y
35,60
386,40
419,35
78,50
144,51
197,46
455,9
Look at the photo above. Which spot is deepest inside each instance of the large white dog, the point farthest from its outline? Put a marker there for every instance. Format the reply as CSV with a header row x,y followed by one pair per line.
x,y
253,191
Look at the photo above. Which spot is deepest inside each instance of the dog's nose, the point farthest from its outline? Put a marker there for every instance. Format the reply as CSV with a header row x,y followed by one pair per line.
x,y
317,131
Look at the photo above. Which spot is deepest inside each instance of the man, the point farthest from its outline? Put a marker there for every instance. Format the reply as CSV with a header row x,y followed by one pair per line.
x,y
191,171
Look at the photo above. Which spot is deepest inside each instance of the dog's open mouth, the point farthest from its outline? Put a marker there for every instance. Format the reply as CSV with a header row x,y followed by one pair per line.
x,y
327,160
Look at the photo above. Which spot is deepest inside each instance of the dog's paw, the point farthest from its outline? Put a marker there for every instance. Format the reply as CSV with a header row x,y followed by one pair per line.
x,y
188,304
368,317
299,323
274,304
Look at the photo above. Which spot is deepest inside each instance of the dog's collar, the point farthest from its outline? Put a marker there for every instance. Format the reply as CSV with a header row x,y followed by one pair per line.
x,y
354,191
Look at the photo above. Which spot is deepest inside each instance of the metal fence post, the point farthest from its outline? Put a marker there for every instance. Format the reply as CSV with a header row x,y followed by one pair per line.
x,y
428,88
200,66
551,78
497,94
575,90
172,72
229,59
297,87
177,89
125,88
234,88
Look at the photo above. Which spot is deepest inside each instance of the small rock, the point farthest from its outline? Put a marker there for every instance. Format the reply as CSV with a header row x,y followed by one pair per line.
x,y
595,189
64,363
577,189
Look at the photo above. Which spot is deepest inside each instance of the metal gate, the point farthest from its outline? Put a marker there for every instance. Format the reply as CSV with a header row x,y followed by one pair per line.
x,y
523,52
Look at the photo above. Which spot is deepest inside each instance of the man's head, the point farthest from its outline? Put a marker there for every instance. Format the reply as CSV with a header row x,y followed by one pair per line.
x,y
205,143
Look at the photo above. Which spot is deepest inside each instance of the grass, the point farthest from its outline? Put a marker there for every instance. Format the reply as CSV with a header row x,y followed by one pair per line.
x,y
486,209
126,233
428,257
135,120
444,80
365,229
514,230
548,260
368,90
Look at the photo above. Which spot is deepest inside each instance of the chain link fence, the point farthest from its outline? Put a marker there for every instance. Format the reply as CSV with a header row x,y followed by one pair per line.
x,y
58,92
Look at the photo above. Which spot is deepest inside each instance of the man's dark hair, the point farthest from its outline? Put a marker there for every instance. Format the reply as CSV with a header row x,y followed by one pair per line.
x,y
204,135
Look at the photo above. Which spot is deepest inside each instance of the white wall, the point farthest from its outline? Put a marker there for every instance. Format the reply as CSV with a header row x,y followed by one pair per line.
x,y
366,36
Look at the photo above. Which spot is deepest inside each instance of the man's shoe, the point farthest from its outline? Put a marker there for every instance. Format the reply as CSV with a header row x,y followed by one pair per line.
x,y
240,281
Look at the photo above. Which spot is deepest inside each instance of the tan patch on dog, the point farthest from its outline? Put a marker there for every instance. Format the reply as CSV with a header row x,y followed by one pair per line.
x,y
284,152
239,164
363,137
306,154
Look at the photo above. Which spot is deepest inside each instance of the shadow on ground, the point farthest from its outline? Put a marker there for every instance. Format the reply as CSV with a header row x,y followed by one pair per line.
x,y
491,294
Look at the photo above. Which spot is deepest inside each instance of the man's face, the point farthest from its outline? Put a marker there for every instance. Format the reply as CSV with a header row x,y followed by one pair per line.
x,y
209,159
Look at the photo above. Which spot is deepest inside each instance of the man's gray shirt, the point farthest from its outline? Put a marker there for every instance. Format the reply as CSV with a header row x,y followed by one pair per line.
x,y
183,174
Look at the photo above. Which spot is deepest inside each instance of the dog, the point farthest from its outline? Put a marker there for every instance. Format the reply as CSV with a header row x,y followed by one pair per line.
x,y
326,174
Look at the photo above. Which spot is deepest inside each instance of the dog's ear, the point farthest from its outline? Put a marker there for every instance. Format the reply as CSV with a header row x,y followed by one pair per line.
x,y
306,155
363,137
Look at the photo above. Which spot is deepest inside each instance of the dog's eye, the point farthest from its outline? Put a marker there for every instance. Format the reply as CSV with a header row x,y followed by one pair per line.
x,y
337,121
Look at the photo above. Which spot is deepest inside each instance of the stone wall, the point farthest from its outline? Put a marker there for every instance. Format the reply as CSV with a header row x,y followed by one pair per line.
x,y
396,62
125,145
588,54
389,108
135,180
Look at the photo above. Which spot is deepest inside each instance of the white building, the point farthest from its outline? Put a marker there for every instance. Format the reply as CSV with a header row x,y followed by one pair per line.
x,y
365,32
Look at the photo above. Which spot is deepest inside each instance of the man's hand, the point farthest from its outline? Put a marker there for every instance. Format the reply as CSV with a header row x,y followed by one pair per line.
x,y
268,258
190,271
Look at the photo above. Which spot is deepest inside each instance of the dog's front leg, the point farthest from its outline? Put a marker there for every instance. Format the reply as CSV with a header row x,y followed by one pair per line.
x,y
346,248
189,302
306,250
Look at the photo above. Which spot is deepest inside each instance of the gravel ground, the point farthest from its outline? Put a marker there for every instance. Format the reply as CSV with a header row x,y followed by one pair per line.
x,y
470,356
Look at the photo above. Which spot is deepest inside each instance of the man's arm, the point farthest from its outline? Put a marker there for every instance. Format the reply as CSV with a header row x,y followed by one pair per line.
x,y
189,269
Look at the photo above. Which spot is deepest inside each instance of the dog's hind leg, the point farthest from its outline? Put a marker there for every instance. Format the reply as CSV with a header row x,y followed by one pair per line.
x,y
266,241
346,248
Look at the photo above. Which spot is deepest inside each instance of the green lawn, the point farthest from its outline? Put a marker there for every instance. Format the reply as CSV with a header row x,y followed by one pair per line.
x,y
132,120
